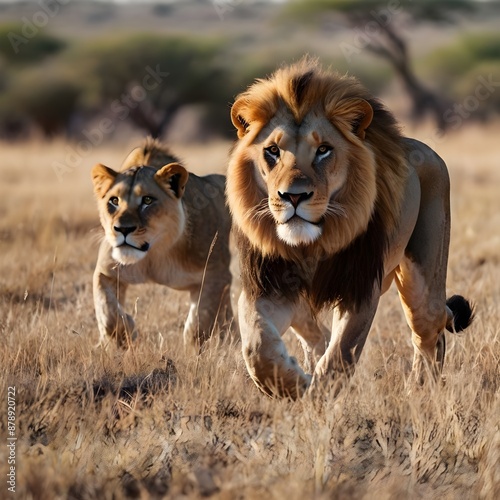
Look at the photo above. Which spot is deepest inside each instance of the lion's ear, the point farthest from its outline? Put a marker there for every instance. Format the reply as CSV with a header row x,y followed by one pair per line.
x,y
173,177
102,177
237,117
359,113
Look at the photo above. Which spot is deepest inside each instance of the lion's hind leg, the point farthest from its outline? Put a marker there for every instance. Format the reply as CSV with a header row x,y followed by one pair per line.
x,y
428,314
421,275
424,305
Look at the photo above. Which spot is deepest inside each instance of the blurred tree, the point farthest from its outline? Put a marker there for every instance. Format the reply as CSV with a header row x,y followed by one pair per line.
x,y
147,78
377,28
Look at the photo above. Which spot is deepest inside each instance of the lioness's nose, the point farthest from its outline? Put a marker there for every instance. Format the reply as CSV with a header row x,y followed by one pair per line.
x,y
295,198
125,229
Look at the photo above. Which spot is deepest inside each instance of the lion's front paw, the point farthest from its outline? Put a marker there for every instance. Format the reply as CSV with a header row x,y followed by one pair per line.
x,y
280,381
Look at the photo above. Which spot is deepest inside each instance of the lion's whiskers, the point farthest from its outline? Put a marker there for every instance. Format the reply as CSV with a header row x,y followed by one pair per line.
x,y
259,212
335,209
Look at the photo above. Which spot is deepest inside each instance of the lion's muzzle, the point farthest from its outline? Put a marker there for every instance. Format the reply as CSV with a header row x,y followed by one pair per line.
x,y
295,198
296,225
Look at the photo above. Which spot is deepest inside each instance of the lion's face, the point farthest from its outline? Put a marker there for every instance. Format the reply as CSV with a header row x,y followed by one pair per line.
x,y
303,170
140,208
307,184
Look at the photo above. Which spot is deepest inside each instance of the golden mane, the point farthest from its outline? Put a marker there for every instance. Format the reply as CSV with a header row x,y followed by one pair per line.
x,y
372,196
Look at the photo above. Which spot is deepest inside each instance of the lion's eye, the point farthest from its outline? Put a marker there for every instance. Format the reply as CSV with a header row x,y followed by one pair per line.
x,y
272,154
114,201
323,151
147,200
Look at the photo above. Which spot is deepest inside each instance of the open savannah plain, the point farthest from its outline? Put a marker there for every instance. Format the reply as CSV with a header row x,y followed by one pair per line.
x,y
154,422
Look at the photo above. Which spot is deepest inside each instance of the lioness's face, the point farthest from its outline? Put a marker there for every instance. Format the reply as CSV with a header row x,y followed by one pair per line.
x,y
139,208
303,169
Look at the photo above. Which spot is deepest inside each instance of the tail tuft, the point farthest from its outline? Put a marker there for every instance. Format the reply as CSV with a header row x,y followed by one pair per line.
x,y
463,313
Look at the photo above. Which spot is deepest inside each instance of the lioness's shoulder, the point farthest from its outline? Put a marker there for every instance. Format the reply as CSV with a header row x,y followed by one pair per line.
x,y
205,195
216,180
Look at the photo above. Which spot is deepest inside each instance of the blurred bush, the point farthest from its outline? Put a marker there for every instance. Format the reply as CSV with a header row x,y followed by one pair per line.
x,y
44,96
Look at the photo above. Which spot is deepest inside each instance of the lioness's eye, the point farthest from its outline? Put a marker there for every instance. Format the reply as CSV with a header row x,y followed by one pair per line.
x,y
114,200
147,200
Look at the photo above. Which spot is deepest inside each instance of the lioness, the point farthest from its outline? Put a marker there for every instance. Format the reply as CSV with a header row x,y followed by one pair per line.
x,y
166,226
330,205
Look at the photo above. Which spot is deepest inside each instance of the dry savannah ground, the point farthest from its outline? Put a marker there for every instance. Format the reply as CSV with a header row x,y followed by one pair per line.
x,y
151,422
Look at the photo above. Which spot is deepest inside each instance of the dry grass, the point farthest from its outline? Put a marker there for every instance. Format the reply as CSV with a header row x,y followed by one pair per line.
x,y
94,424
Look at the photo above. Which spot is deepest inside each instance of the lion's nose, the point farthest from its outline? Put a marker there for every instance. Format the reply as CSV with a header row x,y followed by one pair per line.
x,y
295,198
125,229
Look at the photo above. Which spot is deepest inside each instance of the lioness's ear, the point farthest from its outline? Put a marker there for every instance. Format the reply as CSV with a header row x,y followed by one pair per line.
x,y
237,117
102,177
174,177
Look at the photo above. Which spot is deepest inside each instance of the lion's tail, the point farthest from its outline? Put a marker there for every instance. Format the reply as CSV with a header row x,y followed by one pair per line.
x,y
460,313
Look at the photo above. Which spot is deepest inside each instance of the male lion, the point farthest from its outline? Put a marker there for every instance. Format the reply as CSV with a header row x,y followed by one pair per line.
x,y
330,205
165,226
